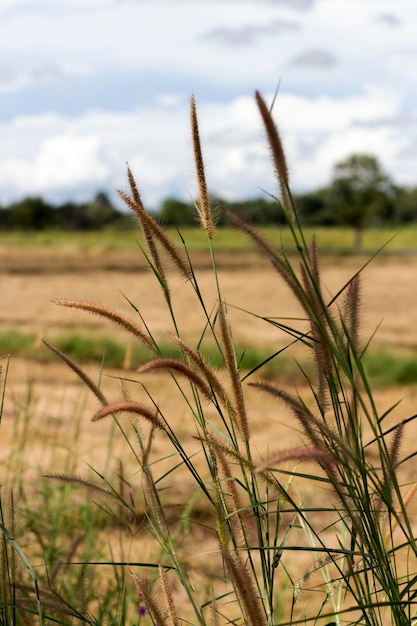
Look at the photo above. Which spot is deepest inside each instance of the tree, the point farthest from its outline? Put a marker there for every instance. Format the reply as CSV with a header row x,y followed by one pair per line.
x,y
314,209
99,212
406,204
257,211
32,214
175,212
360,191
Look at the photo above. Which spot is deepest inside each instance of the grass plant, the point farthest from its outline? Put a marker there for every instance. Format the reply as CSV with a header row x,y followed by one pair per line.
x,y
53,532
339,496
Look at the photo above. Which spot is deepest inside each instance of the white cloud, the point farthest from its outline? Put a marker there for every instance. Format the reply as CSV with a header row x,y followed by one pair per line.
x,y
62,155
381,142
66,159
314,58
14,80
390,19
61,162
89,152
327,114
89,85
316,133
249,34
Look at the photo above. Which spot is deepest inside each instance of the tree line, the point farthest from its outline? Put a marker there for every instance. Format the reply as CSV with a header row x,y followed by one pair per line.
x,y
35,213
360,194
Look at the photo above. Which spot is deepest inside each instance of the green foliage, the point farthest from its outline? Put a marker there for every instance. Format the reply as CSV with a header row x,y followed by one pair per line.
x,y
257,211
314,209
387,369
51,534
383,368
174,212
360,194
406,204
30,214
34,214
360,191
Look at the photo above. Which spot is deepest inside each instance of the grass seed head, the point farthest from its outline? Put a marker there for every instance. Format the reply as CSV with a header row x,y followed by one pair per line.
x,y
204,208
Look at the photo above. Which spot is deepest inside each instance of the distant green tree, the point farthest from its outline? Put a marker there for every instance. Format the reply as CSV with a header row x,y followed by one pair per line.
x,y
360,191
258,211
406,204
67,216
94,215
6,219
99,212
174,212
31,214
314,209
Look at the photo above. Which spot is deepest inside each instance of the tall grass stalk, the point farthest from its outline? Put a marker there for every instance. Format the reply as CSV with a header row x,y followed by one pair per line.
x,y
262,506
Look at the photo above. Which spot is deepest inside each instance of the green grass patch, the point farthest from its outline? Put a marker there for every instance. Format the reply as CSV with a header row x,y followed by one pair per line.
x,y
386,368
331,240
383,367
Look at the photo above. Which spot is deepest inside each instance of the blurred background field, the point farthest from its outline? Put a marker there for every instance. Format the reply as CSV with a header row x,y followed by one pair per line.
x,y
338,240
108,268
46,425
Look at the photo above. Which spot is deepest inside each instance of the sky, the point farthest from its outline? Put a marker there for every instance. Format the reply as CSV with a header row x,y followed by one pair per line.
x,y
87,86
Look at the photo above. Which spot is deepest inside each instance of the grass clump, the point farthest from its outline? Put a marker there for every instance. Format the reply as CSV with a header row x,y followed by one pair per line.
x,y
339,495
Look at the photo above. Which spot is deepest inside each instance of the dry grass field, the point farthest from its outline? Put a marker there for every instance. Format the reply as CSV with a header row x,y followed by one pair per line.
x,y
48,406
389,297
31,281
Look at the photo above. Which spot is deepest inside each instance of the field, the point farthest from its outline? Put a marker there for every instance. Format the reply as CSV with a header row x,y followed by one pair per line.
x,y
109,269
46,425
